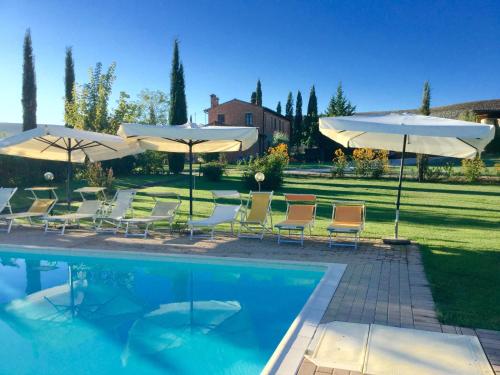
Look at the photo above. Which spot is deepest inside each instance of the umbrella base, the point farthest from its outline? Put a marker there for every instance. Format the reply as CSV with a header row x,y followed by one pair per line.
x,y
396,241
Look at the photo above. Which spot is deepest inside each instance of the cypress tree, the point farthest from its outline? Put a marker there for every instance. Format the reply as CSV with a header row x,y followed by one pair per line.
x,y
253,98
339,105
29,84
258,93
425,109
311,125
278,108
297,121
69,81
178,106
289,112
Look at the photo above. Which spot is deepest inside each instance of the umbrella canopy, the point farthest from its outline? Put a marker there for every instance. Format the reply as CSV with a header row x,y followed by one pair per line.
x,y
59,143
409,132
189,138
56,142
426,134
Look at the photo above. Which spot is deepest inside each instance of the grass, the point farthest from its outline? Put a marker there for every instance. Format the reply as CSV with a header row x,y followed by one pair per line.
x,y
456,224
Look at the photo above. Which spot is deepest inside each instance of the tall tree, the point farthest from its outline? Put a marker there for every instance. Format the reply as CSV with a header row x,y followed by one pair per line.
x,y
89,109
311,121
69,80
339,105
297,122
29,84
425,109
278,108
178,106
289,112
258,94
253,98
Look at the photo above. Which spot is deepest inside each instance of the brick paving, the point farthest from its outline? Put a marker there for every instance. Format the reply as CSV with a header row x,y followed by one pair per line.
x,y
382,284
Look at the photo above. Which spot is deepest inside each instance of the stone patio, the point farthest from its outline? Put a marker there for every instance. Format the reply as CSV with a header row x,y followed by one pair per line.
x,y
382,284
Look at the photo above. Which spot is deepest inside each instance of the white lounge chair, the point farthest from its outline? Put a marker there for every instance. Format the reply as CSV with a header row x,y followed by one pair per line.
x,y
88,210
116,211
162,212
39,209
5,196
222,214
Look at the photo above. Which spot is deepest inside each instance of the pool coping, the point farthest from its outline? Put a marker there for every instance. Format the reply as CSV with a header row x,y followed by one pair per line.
x,y
288,355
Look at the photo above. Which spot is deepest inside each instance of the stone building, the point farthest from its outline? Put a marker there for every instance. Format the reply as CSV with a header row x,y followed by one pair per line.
x,y
237,112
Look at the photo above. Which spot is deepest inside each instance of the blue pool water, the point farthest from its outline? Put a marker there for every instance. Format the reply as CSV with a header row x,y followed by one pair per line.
x,y
68,314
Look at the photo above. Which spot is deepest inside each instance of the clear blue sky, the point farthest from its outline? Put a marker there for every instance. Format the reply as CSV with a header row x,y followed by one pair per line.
x,y
382,51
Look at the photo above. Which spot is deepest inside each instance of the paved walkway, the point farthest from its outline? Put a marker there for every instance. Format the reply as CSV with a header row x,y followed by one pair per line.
x,y
382,284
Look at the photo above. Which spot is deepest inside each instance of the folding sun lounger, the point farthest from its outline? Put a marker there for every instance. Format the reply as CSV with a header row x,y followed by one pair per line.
x,y
40,208
161,212
347,218
88,210
256,215
116,211
221,214
300,215
5,196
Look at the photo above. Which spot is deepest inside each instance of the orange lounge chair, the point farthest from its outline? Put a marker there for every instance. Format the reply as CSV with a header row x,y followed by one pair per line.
x,y
347,218
300,215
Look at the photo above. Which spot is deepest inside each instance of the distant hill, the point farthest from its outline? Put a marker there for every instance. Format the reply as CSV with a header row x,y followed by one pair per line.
x,y
481,107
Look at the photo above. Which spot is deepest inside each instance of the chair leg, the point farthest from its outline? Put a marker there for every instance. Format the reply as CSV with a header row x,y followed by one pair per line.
x,y
191,233
232,228
10,225
63,227
279,235
302,238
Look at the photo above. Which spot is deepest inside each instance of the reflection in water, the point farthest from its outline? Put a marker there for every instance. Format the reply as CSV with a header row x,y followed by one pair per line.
x,y
131,317
33,280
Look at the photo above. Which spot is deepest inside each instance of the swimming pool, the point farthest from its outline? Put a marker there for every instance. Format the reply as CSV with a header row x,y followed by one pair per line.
x,y
103,313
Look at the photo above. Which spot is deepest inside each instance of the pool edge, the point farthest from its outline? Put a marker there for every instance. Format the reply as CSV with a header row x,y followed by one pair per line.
x,y
290,352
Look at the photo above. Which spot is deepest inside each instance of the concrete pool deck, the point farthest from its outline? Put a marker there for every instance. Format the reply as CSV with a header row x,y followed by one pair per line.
x,y
381,284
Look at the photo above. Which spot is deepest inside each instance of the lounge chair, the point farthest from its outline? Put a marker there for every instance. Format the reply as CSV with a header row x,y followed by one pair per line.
x,y
39,209
300,215
223,213
116,211
161,212
88,210
347,218
256,216
5,197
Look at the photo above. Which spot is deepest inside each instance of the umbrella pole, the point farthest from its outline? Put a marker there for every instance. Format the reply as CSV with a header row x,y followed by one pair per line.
x,y
68,176
398,199
190,180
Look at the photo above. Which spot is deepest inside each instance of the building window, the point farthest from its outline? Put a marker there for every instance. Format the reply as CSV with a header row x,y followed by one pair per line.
x,y
274,123
279,125
221,119
249,119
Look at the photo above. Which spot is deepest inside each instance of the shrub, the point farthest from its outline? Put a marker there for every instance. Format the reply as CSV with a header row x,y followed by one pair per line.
x,y
213,170
339,163
176,162
150,162
362,158
272,165
379,164
472,168
96,175
210,156
18,171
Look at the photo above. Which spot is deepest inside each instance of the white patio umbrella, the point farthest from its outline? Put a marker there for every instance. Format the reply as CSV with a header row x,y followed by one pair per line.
x,y
190,138
59,143
408,133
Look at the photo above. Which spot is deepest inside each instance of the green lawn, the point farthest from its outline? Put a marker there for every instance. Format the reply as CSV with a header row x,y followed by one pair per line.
x,y
458,226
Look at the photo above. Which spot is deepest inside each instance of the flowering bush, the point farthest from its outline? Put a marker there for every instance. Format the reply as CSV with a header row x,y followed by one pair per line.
x,y
362,158
340,163
472,168
272,165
